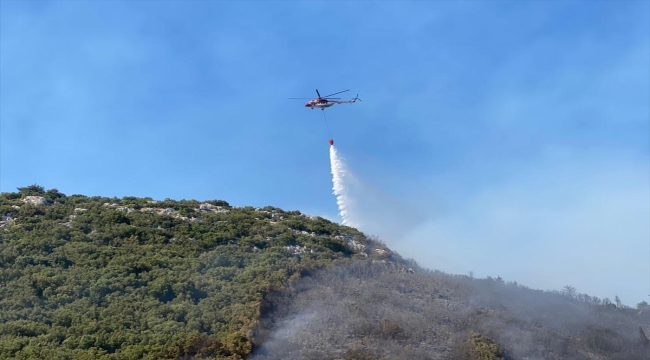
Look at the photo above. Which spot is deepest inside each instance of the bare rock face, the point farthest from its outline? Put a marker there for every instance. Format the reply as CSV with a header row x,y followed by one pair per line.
x,y
5,221
381,253
299,250
207,207
302,232
36,200
167,211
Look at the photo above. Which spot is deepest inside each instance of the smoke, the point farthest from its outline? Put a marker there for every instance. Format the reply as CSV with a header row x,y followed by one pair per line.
x,y
339,172
360,310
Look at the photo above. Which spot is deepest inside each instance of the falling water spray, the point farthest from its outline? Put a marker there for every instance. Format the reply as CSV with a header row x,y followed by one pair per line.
x,y
339,188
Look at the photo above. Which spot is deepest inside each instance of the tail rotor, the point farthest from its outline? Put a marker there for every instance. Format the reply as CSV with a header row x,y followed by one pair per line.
x,y
356,98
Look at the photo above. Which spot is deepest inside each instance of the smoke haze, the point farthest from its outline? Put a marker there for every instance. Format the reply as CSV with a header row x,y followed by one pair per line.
x,y
363,310
566,218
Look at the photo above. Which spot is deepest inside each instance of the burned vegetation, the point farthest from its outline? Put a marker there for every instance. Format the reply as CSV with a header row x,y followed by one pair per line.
x,y
373,310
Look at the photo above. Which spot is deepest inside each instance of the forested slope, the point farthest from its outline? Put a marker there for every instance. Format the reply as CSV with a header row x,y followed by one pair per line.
x,y
130,278
134,278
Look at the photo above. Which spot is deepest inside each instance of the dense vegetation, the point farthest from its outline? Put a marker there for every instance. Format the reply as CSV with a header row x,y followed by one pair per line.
x,y
93,277
133,278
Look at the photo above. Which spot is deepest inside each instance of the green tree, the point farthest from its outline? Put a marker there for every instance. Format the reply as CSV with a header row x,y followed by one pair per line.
x,y
31,190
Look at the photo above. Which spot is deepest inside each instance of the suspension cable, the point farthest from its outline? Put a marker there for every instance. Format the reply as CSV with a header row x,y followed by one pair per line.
x,y
326,124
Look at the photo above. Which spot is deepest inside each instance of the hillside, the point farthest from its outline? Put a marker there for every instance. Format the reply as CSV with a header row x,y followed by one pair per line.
x,y
108,278
361,310
135,277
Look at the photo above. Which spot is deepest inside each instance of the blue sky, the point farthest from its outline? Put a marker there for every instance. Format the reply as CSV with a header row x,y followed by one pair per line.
x,y
500,137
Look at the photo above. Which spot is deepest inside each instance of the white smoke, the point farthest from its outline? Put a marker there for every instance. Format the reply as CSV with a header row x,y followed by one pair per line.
x,y
339,188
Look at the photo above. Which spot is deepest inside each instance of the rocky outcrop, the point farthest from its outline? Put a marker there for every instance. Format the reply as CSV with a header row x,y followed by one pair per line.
x,y
36,200
207,207
299,250
5,221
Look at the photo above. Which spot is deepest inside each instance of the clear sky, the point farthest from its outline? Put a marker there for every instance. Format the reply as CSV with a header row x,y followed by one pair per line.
x,y
506,138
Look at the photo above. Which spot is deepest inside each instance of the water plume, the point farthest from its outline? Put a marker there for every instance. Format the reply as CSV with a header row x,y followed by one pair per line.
x,y
339,188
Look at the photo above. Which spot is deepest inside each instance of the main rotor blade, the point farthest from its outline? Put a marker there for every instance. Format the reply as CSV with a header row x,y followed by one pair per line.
x,y
300,98
330,98
317,93
337,93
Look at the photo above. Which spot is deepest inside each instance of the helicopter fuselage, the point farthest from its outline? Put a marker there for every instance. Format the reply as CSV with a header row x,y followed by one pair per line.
x,y
315,104
322,102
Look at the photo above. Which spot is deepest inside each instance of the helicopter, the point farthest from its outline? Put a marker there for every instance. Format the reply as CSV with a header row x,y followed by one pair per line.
x,y
322,102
